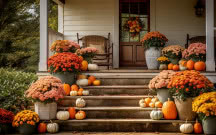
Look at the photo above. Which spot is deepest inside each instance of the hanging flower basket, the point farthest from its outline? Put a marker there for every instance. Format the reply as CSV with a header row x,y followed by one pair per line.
x,y
133,25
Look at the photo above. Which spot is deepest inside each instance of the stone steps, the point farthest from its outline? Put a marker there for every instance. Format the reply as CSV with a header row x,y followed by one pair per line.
x,y
114,112
120,125
119,89
105,100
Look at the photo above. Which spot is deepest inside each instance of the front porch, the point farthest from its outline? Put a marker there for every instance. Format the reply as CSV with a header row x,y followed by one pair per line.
x,y
72,19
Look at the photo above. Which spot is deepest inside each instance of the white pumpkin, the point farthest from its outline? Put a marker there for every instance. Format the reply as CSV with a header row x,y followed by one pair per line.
x,y
80,103
62,115
52,127
85,93
73,93
182,68
156,114
154,100
93,67
142,103
186,128
82,82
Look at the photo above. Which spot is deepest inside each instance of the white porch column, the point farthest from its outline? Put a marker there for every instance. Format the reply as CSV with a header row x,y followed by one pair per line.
x,y
43,35
210,58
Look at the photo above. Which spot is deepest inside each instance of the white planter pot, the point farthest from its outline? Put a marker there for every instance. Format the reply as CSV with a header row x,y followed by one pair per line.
x,y
46,111
151,55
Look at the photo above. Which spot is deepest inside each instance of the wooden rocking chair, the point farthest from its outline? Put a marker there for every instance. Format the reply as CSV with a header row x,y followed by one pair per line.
x,y
104,56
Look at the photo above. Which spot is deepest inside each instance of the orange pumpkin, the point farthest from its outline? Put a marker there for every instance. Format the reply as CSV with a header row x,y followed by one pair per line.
x,y
80,115
158,104
184,63
97,83
72,112
42,128
79,93
81,58
152,105
200,66
190,65
170,66
148,101
169,110
74,87
67,89
92,78
84,66
197,128
89,82
176,67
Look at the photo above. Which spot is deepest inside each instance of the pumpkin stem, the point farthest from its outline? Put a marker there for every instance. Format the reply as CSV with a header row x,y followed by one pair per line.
x,y
168,99
51,121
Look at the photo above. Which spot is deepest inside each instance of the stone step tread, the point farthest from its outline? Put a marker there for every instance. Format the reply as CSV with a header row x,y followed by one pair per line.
x,y
122,121
110,97
112,108
117,87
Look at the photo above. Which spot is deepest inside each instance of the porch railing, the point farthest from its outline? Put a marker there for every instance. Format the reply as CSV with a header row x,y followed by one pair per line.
x,y
53,36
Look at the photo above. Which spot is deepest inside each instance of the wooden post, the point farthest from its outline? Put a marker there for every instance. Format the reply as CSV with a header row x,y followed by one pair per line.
x,y
116,36
210,57
43,35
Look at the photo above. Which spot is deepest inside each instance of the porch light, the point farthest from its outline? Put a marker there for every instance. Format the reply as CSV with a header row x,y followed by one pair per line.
x,y
200,8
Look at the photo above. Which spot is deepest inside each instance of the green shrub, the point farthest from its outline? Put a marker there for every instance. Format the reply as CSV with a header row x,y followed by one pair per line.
x,y
13,84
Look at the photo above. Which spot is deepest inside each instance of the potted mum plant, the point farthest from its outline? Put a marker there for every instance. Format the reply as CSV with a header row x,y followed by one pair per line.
x,y
45,93
205,106
60,46
163,61
65,66
153,42
87,53
173,53
26,122
185,86
159,84
6,118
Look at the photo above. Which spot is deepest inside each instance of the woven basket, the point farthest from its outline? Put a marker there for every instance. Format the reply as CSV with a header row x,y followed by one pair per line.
x,y
46,111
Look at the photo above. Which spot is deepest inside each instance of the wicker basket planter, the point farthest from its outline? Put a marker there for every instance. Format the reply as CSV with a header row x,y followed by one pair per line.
x,y
46,111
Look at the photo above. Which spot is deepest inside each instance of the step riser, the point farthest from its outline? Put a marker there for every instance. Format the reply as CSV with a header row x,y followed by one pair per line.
x,y
120,91
118,127
102,102
122,81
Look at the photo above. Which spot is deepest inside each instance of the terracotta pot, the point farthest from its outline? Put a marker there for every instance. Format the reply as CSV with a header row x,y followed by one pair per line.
x,y
209,125
184,109
65,77
163,95
151,55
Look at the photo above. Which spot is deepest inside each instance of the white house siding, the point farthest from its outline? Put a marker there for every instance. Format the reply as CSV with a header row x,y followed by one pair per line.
x,y
88,17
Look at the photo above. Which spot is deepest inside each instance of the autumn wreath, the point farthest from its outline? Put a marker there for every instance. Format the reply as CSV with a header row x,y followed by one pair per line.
x,y
133,25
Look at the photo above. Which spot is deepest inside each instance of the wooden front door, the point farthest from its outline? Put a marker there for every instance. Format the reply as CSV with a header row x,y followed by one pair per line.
x,y
131,51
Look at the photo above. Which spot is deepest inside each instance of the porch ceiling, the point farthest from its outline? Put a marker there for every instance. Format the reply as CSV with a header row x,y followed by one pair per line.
x,y
59,1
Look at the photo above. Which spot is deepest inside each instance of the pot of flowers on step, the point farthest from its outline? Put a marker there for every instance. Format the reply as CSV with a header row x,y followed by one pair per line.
x,y
163,61
87,53
6,119
185,86
65,66
205,106
26,122
159,84
153,42
173,53
45,92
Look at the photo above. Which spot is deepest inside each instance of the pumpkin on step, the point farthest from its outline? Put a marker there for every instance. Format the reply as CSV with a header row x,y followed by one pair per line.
x,y
84,66
73,93
142,103
158,104
200,66
80,102
93,67
74,87
169,110
190,65
85,93
152,105
92,78
156,114
62,115
80,115
197,128
97,83
79,93
186,128
154,99
72,112
67,89
42,128
170,66
176,67
52,127
82,82
183,65
148,101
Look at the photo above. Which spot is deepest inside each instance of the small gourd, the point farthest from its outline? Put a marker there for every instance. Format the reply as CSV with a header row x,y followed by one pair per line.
x,y
142,103
62,115
84,66
82,82
158,104
154,100
85,93
52,127
186,128
72,112
93,67
79,93
42,127
156,114
152,105
80,115
197,128
182,68
67,89
73,93
80,102
97,83
148,100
